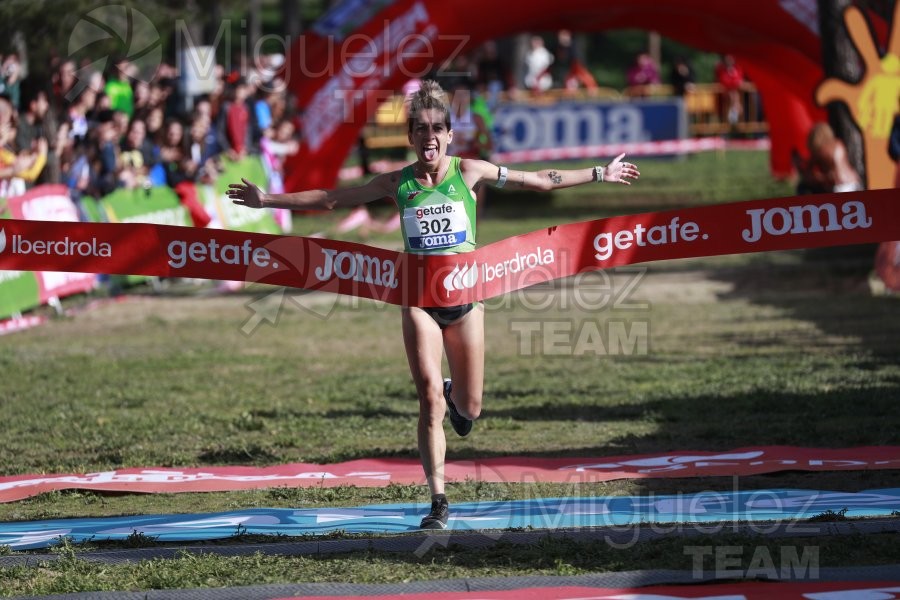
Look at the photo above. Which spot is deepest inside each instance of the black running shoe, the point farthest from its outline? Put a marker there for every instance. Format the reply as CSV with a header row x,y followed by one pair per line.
x,y
461,425
437,518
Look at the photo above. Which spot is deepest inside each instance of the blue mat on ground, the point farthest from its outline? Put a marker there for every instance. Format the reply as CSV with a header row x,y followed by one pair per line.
x,y
541,513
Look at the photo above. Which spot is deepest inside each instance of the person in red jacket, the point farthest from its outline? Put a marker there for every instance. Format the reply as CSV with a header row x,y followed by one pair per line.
x,y
730,76
237,121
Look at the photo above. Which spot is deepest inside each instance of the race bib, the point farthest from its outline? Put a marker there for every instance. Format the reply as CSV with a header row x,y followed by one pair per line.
x,y
435,226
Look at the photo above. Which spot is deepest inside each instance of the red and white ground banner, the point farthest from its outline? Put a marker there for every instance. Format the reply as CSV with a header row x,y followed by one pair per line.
x,y
21,323
449,280
804,590
514,469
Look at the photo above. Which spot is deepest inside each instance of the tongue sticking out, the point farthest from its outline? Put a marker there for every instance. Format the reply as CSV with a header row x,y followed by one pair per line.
x,y
429,154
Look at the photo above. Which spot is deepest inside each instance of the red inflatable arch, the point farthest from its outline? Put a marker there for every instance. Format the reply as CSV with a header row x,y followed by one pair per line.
x,y
359,55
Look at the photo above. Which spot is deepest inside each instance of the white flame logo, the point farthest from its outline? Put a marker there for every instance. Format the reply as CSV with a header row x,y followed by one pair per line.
x,y
2,240
461,278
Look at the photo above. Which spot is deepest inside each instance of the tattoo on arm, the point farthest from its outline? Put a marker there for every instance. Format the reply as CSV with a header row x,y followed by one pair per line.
x,y
555,177
522,178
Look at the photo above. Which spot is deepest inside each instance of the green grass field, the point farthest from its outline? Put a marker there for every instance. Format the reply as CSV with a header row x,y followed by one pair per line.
x,y
777,348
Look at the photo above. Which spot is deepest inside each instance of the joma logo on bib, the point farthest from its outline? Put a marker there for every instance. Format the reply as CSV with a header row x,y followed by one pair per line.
x,y
810,218
357,267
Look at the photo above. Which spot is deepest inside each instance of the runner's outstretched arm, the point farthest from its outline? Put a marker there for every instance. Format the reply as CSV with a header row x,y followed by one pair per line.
x,y
380,186
616,171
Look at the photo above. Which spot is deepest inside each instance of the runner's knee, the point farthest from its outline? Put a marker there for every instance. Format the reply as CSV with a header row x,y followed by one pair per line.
x,y
467,404
432,405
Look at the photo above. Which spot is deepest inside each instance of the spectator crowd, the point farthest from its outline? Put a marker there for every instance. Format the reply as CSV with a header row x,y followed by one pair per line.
x,y
97,132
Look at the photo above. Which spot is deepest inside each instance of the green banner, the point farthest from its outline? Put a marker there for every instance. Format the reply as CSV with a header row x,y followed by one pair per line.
x,y
18,289
229,215
92,209
158,205
18,292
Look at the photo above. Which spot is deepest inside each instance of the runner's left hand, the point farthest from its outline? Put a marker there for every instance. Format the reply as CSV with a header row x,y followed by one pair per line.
x,y
246,194
620,172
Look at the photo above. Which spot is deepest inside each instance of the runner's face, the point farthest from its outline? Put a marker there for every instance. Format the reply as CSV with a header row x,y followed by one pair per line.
x,y
430,136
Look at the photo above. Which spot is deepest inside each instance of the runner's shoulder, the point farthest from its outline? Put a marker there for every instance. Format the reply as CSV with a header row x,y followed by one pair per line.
x,y
387,182
482,169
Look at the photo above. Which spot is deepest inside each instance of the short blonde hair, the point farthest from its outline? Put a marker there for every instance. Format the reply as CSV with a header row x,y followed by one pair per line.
x,y
430,95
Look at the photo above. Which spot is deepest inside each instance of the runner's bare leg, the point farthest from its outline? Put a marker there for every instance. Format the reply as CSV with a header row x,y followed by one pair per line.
x,y
424,351
464,344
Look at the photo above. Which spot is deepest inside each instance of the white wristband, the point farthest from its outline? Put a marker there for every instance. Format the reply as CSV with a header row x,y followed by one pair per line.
x,y
501,177
598,173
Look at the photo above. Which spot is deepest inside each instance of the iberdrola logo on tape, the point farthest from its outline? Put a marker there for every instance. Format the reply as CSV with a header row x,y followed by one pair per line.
x,y
465,277
539,257
64,247
461,278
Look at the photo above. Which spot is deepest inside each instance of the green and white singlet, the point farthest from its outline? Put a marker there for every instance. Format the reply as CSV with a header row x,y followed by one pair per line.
x,y
438,219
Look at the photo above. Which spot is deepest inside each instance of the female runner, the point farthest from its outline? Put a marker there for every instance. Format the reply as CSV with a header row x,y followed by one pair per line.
x,y
445,185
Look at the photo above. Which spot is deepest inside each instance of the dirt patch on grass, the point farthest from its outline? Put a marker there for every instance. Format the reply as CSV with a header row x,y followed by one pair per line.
x,y
129,309
691,287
